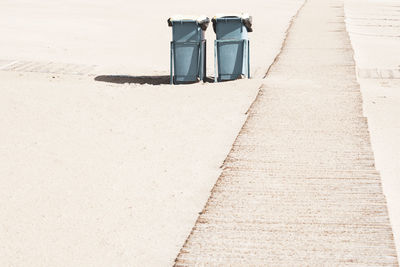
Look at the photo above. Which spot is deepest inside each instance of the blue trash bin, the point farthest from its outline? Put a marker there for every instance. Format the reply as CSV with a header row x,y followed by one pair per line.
x,y
188,49
232,46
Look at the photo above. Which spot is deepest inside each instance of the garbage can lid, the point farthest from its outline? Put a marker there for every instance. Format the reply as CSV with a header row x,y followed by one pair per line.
x,y
246,18
202,21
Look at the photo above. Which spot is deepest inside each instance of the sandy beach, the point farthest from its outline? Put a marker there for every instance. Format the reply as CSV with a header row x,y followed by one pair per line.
x,y
112,174
103,163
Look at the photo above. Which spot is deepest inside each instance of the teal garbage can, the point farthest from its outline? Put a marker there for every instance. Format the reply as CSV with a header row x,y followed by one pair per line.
x,y
232,46
188,49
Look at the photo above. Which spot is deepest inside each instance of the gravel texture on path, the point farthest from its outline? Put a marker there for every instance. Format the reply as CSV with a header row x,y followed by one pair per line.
x,y
299,186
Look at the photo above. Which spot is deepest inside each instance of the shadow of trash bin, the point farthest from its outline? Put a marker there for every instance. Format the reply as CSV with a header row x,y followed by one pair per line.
x,y
188,49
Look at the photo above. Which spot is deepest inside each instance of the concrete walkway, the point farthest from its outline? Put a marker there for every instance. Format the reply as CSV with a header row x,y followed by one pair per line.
x,y
299,186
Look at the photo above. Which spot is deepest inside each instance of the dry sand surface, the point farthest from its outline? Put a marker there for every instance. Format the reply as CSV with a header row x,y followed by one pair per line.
x,y
128,37
98,175
114,173
108,174
374,28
